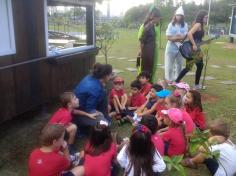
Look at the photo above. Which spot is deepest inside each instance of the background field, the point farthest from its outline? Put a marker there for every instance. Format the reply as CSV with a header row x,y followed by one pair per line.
x,y
19,137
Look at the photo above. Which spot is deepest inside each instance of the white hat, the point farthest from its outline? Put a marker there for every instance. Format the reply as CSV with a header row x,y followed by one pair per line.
x,y
179,11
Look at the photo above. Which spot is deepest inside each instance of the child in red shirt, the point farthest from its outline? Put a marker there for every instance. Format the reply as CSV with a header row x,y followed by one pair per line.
x,y
193,106
52,158
63,115
135,100
175,101
174,137
118,97
144,77
149,107
150,121
161,105
99,152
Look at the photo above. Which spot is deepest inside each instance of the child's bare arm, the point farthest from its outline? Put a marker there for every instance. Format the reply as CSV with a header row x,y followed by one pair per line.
x,y
83,113
149,111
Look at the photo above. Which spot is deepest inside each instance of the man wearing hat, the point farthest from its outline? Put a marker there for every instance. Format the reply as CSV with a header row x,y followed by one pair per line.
x,y
176,32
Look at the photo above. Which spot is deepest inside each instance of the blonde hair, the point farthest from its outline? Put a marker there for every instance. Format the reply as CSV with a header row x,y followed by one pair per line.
x,y
51,132
66,98
219,127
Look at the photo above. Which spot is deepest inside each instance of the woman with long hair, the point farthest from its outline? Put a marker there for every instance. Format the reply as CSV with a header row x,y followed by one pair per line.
x,y
148,37
176,32
195,35
139,157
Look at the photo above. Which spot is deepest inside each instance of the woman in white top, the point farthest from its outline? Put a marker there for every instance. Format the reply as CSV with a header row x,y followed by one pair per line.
x,y
176,32
139,157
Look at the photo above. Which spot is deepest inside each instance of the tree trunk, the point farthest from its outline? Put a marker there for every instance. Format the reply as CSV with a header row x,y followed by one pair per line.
x,y
106,56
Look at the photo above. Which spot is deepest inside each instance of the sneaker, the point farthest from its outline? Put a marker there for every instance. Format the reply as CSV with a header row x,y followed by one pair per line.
x,y
75,159
197,87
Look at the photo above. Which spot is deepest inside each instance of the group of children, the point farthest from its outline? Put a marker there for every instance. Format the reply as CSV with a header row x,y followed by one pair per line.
x,y
163,120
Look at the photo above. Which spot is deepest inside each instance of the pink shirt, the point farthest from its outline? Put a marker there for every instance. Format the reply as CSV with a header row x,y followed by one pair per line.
x,y
158,143
100,165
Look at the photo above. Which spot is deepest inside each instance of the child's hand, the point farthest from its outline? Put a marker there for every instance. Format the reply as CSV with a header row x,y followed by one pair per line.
x,y
64,146
92,116
130,94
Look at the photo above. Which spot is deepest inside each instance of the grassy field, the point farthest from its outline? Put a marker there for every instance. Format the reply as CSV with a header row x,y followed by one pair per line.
x,y
19,137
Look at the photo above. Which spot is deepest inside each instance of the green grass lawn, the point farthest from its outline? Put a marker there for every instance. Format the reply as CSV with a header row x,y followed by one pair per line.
x,y
19,137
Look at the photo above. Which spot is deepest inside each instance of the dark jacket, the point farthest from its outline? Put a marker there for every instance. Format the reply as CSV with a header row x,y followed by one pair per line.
x,y
90,93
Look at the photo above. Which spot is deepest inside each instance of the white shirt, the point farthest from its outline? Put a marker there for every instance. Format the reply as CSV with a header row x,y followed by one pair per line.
x,y
227,159
123,159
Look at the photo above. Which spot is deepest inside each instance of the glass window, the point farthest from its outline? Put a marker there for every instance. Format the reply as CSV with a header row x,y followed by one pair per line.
x,y
7,38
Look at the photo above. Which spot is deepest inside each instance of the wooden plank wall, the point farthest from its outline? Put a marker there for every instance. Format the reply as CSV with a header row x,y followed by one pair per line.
x,y
27,86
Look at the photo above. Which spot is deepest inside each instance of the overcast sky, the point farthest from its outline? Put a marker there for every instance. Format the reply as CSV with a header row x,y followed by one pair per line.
x,y
119,7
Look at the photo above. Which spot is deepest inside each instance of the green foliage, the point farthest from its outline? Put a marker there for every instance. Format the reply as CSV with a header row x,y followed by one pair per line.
x,y
106,36
174,165
200,139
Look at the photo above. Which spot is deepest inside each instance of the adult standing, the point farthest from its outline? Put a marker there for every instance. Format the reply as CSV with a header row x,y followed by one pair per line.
x,y
93,96
195,35
176,32
148,35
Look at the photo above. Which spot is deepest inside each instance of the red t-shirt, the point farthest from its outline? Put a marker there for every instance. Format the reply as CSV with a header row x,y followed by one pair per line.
x,y
158,143
159,108
47,164
137,100
189,124
101,164
174,137
61,116
197,116
146,88
118,93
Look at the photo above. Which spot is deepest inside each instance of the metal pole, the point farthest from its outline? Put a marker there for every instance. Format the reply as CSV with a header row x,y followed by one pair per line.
x,y
209,10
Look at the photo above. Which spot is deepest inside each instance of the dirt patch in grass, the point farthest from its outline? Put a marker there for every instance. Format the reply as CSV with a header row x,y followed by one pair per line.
x,y
229,46
206,98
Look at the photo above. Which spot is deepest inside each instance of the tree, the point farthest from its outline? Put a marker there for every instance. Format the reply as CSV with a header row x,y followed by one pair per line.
x,y
106,36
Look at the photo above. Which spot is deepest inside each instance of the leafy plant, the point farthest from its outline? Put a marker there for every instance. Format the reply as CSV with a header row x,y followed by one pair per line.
x,y
106,36
200,139
174,165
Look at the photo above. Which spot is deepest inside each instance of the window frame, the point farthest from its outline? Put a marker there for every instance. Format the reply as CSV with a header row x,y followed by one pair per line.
x,y
67,50
12,46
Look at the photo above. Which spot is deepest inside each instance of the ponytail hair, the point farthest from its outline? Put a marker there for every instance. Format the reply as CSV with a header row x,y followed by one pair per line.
x,y
101,70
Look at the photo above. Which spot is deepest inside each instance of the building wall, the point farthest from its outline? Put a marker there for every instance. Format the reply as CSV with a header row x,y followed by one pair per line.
x,y
24,87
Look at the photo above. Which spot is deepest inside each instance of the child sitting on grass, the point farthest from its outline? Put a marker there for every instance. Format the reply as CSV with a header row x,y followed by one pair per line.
x,y
139,156
150,121
144,78
63,116
149,107
118,97
174,138
52,158
182,88
193,106
135,100
99,151
225,165
160,105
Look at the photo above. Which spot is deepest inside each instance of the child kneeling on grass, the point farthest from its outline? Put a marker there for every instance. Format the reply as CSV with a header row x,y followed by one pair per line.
x,y
63,116
139,156
52,158
225,165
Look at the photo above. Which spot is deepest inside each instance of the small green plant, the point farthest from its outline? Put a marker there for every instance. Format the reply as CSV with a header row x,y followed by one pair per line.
x,y
174,165
200,139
